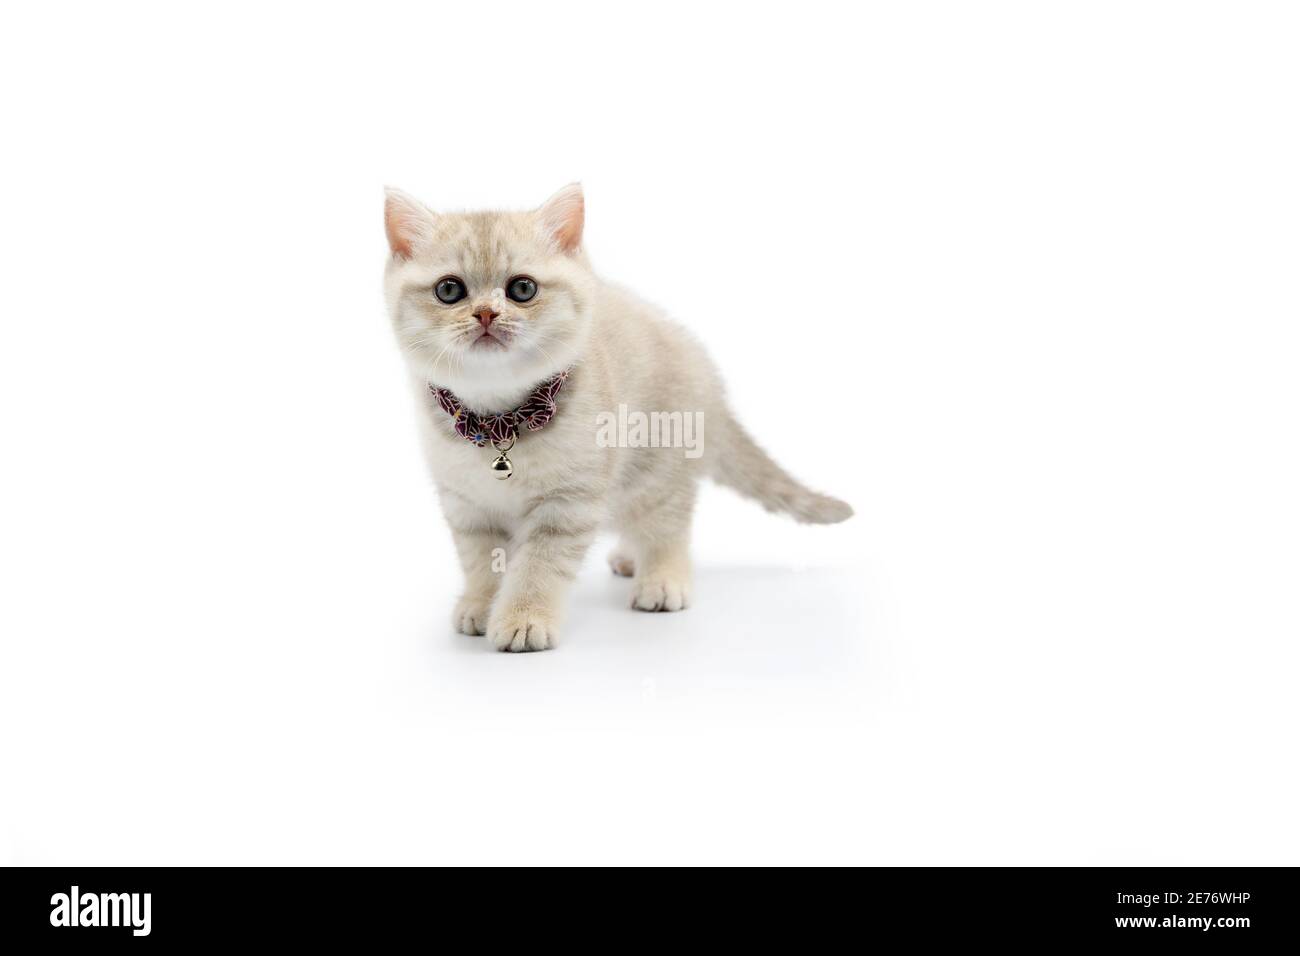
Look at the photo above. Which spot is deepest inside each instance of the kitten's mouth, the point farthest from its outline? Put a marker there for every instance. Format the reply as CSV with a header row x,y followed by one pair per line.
x,y
487,340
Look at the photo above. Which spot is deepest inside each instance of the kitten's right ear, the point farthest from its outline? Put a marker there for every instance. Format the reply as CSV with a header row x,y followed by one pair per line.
x,y
407,221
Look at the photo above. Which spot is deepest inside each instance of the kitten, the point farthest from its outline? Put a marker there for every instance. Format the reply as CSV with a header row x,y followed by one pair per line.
x,y
487,306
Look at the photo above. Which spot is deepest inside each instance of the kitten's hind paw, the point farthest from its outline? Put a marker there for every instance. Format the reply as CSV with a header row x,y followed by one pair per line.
x,y
661,593
621,564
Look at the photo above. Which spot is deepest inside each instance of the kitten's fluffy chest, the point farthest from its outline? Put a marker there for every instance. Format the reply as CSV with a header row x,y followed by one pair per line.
x,y
561,455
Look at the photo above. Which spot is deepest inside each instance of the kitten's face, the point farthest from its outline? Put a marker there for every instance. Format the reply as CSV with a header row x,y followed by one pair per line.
x,y
488,298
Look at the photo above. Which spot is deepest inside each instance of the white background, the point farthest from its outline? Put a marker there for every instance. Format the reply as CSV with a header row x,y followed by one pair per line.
x,y
1018,280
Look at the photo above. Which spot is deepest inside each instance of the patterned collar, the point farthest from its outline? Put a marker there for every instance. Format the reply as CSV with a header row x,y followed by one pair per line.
x,y
503,428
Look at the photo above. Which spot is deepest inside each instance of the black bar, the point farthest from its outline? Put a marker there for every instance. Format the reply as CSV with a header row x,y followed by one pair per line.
x,y
1225,908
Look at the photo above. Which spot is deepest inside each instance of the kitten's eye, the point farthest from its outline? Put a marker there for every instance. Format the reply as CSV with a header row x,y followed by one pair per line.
x,y
521,288
449,290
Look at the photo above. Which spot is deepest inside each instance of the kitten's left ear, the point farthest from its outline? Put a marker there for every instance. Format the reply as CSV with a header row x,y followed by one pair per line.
x,y
562,216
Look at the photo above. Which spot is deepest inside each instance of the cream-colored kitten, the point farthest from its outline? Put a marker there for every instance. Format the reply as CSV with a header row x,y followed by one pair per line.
x,y
488,305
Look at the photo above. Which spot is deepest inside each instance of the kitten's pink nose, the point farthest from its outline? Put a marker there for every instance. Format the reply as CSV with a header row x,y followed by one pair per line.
x,y
485,316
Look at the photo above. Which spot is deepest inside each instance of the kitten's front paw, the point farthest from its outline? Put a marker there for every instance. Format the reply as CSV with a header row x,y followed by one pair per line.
x,y
521,631
662,593
471,615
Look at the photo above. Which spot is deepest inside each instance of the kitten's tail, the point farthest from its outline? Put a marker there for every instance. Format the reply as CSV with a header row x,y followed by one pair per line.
x,y
739,463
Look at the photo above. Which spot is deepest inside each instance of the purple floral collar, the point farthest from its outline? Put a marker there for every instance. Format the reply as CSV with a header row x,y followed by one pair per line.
x,y
503,428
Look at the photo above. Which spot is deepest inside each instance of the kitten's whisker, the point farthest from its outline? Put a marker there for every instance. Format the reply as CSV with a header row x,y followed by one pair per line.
x,y
536,342
439,356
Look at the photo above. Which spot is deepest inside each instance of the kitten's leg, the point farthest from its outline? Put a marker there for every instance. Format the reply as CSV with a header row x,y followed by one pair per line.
x,y
547,549
621,559
481,548
661,539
